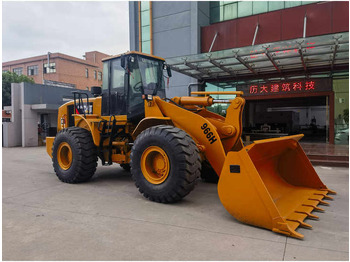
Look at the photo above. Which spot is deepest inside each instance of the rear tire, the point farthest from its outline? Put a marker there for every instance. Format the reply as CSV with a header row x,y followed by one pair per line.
x,y
126,167
208,174
74,155
165,163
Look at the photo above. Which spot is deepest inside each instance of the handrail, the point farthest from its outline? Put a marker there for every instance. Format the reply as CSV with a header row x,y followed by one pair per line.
x,y
78,96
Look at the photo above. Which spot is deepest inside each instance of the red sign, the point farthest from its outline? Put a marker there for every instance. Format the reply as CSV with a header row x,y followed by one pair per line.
x,y
287,87
302,86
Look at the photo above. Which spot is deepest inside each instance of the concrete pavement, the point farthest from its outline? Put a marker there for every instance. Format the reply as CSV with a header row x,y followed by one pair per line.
x,y
107,219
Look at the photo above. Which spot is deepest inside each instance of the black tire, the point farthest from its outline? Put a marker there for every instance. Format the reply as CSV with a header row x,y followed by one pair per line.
x,y
208,174
84,155
126,167
184,162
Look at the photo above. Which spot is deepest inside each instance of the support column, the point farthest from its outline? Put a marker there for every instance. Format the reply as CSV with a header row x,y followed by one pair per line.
x,y
29,123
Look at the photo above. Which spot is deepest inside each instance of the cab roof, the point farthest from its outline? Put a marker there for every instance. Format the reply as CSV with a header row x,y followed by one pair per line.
x,y
133,52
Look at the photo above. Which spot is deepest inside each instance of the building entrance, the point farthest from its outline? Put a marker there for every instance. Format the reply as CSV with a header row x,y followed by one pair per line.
x,y
282,117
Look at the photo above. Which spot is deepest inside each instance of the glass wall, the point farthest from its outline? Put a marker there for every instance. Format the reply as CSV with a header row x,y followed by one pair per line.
x,y
341,111
145,27
287,116
227,10
277,117
220,108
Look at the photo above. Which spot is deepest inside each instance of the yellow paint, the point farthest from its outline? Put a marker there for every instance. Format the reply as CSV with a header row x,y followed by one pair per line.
x,y
49,144
276,188
193,123
118,158
149,122
270,183
155,165
64,156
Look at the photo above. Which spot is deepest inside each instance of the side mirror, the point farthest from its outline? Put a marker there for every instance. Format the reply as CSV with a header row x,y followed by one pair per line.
x,y
122,61
168,70
96,91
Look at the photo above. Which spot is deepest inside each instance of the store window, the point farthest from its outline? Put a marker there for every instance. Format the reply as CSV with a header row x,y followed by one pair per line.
x,y
50,69
18,70
269,118
227,10
281,113
145,27
32,70
341,111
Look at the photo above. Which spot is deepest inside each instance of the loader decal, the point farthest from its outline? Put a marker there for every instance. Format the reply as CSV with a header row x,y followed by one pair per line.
x,y
209,135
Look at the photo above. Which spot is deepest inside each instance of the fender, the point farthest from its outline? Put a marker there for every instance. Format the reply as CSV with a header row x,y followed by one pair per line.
x,y
151,121
90,124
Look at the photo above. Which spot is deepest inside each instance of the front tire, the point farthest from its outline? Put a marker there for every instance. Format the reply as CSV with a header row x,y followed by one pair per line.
x,y
165,163
74,155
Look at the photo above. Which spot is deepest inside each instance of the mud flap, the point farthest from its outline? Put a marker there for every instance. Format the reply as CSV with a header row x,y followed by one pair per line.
x,y
272,184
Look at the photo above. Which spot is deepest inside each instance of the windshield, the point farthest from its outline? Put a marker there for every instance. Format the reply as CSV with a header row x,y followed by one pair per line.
x,y
147,74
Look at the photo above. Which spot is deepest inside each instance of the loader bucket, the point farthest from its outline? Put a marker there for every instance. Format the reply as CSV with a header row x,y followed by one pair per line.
x,y
272,184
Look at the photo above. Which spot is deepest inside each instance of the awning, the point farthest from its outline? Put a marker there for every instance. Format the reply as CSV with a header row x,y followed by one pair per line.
x,y
45,108
303,57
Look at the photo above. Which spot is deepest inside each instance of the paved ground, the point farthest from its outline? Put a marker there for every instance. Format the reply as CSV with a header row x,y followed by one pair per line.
x,y
107,219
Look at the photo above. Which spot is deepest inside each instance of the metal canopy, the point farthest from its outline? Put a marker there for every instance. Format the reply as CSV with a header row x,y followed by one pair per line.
x,y
303,56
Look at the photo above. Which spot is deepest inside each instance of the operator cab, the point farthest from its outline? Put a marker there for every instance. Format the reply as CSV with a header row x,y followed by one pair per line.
x,y
126,78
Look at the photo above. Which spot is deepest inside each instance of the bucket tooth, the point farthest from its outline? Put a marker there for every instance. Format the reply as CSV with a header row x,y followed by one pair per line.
x,y
314,207
329,191
283,228
328,197
324,195
309,215
301,223
324,203
321,201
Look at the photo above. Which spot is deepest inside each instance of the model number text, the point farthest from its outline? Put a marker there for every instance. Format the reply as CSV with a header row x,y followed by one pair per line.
x,y
210,136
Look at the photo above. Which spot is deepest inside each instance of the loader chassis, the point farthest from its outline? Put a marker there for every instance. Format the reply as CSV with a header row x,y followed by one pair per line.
x,y
170,143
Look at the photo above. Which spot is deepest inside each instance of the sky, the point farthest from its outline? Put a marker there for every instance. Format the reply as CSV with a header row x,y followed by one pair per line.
x,y
69,27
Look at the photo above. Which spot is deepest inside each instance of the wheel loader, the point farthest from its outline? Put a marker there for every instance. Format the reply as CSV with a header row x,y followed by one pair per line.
x,y
167,141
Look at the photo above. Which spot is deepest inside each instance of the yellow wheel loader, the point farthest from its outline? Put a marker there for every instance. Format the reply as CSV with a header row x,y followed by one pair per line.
x,y
270,183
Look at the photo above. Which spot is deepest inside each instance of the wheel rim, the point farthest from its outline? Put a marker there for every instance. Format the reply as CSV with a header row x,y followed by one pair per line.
x,y
64,156
155,165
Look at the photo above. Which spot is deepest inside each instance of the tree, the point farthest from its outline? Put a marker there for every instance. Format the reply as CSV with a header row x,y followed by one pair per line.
x,y
7,79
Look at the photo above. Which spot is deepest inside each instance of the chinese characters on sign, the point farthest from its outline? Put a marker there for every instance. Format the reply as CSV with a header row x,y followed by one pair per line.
x,y
281,88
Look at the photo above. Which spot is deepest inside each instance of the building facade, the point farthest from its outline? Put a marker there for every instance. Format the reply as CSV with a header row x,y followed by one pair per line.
x,y
33,113
63,70
290,58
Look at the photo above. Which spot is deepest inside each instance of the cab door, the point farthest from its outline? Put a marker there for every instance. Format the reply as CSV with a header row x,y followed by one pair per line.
x,y
136,107
114,90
